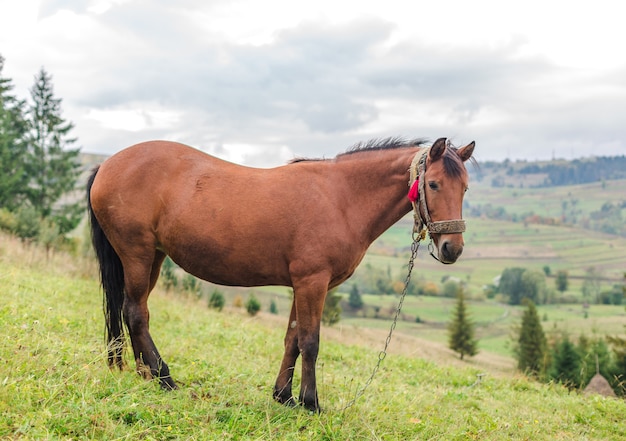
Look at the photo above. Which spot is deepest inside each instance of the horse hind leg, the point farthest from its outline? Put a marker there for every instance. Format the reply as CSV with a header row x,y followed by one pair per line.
x,y
139,281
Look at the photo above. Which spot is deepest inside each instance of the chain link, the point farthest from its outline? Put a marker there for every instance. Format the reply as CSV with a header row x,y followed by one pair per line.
x,y
417,237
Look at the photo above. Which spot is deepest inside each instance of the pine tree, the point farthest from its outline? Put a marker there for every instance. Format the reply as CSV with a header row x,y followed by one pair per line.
x,y
354,300
596,357
531,348
565,366
461,330
253,306
273,307
562,281
53,167
217,301
13,148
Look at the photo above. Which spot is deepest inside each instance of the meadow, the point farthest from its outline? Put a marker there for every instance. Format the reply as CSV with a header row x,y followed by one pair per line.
x,y
54,383
491,246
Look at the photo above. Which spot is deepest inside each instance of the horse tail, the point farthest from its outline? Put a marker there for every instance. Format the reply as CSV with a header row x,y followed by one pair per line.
x,y
112,279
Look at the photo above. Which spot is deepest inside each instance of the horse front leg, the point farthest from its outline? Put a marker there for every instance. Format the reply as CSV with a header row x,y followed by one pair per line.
x,y
310,295
282,388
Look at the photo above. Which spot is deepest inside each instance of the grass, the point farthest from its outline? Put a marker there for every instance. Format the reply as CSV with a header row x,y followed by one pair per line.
x,y
54,383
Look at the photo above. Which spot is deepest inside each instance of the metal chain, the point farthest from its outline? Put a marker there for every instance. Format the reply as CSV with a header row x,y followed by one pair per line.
x,y
417,237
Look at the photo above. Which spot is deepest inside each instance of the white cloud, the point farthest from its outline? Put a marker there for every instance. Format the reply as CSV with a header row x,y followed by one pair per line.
x,y
134,120
264,81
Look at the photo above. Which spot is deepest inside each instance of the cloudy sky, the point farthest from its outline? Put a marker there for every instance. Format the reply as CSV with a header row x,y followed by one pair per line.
x,y
261,82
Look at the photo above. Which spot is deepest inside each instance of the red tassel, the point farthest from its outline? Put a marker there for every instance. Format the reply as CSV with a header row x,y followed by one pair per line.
x,y
414,191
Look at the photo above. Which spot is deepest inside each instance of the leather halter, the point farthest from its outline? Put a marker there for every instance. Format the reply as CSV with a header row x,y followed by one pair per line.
x,y
418,171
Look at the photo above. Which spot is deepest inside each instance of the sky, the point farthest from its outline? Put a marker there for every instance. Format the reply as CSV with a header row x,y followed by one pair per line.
x,y
262,82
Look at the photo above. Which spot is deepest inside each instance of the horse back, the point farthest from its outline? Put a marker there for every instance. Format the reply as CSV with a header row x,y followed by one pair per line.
x,y
223,222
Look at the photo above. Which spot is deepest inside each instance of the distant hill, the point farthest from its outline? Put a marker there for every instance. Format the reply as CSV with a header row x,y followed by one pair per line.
x,y
552,173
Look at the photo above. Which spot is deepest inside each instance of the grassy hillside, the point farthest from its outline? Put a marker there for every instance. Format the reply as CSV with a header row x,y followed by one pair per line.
x,y
493,245
54,383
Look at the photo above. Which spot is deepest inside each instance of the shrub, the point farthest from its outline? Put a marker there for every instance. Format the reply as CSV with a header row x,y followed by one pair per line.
x,y
191,284
28,222
169,276
217,301
238,301
253,306
8,221
273,307
431,289
332,309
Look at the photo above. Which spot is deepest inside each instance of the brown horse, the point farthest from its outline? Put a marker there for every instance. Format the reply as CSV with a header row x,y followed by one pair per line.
x,y
305,225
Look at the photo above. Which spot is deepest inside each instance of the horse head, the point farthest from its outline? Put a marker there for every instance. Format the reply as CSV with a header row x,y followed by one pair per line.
x,y
443,181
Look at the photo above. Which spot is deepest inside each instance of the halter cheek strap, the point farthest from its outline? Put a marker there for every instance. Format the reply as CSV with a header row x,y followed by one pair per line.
x,y
417,195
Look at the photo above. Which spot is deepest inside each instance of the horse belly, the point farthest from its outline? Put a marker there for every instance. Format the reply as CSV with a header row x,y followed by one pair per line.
x,y
210,260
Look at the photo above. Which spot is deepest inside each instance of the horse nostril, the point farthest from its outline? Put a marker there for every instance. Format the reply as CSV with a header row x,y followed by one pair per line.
x,y
449,252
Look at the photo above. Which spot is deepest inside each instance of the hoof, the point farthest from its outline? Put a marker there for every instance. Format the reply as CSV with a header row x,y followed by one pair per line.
x,y
167,383
312,408
310,402
288,401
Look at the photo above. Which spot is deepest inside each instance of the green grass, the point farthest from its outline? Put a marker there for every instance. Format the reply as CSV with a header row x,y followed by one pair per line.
x,y
54,383
493,321
547,201
491,246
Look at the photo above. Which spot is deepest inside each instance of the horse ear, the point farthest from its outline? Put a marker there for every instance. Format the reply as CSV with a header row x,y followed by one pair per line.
x,y
437,149
466,152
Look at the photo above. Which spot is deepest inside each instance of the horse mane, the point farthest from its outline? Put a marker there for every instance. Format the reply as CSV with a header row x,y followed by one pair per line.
x,y
395,142
452,163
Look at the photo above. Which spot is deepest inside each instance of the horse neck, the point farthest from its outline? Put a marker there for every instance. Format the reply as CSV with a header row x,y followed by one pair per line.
x,y
377,185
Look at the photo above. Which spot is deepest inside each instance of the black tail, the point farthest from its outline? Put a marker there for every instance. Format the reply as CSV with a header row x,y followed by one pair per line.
x,y
112,278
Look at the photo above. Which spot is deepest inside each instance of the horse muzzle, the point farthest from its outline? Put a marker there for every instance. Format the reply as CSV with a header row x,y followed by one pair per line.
x,y
449,252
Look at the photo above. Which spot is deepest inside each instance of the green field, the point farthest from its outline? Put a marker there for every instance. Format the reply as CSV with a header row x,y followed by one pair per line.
x,y
491,246
54,383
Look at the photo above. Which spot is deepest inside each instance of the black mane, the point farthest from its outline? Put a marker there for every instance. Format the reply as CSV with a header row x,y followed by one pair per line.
x,y
384,144
373,145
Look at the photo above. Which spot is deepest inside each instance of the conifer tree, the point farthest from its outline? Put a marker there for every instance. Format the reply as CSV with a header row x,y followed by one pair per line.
x,y
562,281
354,300
531,343
13,129
461,330
565,366
253,306
596,357
52,166
217,301
273,307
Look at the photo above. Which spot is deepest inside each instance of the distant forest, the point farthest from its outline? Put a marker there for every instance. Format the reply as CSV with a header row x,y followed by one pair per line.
x,y
579,171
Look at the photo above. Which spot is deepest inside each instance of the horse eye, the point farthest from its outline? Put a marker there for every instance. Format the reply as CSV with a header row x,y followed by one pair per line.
x,y
433,185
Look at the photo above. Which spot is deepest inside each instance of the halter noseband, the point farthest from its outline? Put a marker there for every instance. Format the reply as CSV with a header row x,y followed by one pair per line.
x,y
417,172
